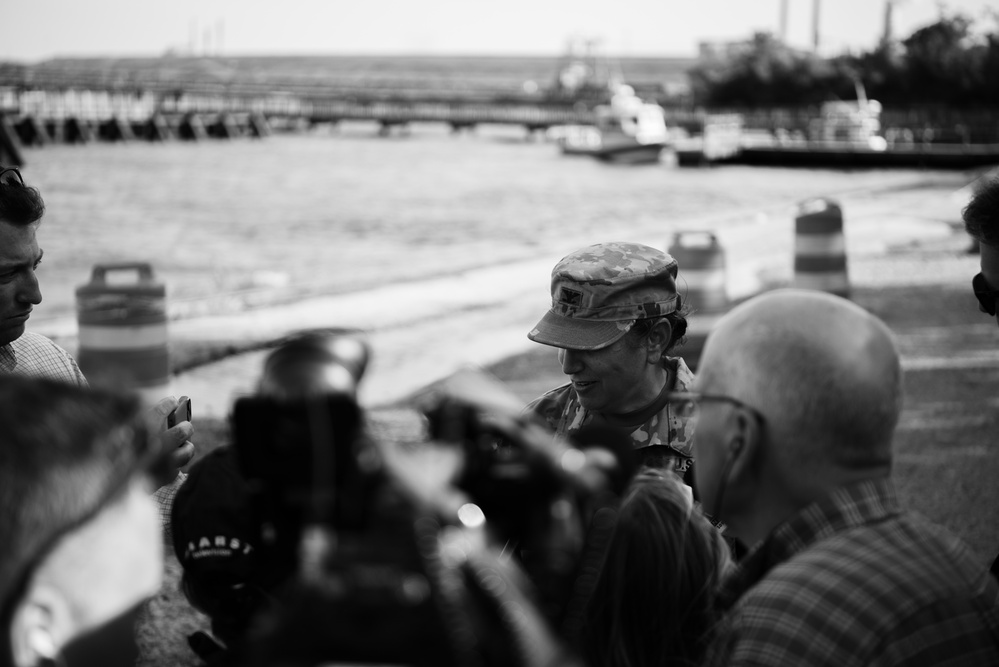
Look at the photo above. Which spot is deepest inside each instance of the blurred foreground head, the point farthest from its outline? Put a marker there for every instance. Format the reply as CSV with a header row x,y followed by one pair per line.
x,y
800,393
981,220
653,602
80,531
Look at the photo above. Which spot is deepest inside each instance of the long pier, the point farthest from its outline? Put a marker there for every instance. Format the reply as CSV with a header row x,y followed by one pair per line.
x,y
200,99
316,106
81,109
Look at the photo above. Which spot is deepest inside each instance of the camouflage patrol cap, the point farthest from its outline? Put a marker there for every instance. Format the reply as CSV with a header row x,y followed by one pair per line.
x,y
599,291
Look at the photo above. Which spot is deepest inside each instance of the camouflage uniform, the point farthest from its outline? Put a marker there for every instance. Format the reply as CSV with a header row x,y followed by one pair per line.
x,y
560,410
598,293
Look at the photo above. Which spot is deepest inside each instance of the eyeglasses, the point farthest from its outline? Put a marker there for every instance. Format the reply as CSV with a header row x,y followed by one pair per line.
x,y
686,404
987,296
5,179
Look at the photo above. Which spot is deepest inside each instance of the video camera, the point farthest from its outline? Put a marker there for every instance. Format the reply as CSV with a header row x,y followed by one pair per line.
x,y
544,498
388,568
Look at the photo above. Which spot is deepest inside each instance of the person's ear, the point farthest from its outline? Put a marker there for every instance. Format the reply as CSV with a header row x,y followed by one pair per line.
x,y
41,624
658,341
745,443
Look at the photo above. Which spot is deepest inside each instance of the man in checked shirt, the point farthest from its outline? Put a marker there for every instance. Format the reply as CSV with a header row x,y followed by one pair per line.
x,y
31,355
799,394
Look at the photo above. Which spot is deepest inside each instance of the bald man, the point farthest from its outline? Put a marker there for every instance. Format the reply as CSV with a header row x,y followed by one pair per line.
x,y
798,395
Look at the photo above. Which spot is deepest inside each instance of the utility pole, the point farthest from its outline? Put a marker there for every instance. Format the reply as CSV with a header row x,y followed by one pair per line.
x,y
889,30
219,35
886,35
783,21
192,39
815,24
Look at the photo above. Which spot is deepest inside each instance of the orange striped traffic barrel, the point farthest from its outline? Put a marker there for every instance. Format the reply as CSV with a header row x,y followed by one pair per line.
x,y
122,321
820,248
701,261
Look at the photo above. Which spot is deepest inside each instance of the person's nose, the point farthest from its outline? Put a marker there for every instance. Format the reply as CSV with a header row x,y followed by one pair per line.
x,y
29,290
572,361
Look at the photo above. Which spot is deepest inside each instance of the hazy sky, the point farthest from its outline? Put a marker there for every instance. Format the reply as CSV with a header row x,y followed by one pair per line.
x,y
33,30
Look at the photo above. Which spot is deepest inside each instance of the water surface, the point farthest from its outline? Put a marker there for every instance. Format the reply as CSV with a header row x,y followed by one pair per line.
x,y
339,210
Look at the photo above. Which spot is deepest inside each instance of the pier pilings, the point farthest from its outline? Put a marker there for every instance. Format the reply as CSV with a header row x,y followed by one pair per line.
x,y
194,111
10,144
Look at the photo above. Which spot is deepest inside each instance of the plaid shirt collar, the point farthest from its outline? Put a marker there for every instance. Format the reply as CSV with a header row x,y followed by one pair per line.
x,y
859,504
8,359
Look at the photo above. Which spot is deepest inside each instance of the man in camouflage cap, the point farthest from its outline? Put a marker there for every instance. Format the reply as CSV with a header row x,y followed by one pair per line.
x,y
615,317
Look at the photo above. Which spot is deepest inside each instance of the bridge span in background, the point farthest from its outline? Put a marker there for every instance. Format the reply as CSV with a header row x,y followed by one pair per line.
x,y
80,111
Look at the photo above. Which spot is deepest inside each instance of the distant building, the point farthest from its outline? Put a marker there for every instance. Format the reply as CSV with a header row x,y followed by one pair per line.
x,y
727,50
724,50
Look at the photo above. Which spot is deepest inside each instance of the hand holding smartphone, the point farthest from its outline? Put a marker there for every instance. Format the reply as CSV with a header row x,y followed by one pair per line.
x,y
182,413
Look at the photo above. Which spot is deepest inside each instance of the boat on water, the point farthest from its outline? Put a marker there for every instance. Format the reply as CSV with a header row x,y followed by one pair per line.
x,y
626,130
834,154
849,134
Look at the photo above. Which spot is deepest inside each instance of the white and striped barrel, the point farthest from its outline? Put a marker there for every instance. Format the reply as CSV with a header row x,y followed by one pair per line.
x,y
701,264
123,329
820,248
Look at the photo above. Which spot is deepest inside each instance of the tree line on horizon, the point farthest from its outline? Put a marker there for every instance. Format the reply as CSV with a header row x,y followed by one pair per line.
x,y
943,64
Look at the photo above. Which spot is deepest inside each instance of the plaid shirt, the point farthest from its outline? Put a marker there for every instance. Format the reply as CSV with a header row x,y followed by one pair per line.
x,y
34,355
851,580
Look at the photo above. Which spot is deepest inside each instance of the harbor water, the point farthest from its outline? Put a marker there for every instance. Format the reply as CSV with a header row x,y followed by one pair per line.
x,y
332,211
